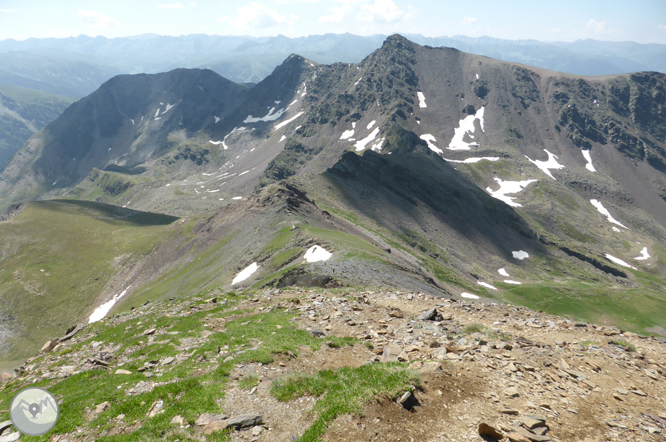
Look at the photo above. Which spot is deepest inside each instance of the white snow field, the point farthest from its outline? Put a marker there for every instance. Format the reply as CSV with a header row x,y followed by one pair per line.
x,y
316,254
347,134
545,166
372,123
644,255
619,261
606,213
284,123
472,160
103,309
360,145
430,139
503,272
508,187
282,139
466,127
588,158
485,284
268,117
422,102
520,254
468,295
245,273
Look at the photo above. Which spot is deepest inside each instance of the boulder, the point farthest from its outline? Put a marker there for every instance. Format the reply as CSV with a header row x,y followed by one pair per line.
x,y
430,315
486,429
236,423
49,345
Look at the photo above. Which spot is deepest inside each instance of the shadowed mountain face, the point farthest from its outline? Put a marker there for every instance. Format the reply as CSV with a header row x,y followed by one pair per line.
x,y
422,168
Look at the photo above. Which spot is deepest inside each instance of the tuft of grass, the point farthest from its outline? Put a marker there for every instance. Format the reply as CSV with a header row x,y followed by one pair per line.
x,y
623,344
248,381
474,328
589,343
344,391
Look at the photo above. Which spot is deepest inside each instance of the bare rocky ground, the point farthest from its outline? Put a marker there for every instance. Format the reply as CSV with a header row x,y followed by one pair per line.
x,y
499,370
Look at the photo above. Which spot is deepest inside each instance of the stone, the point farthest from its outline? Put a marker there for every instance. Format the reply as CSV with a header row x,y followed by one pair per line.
x,y
431,367
157,408
486,429
72,332
510,412
639,393
236,423
102,407
49,345
405,397
396,313
651,374
6,376
150,331
662,414
517,437
512,392
167,360
530,422
317,333
257,430
179,420
122,371
430,315
391,353
208,418
4,425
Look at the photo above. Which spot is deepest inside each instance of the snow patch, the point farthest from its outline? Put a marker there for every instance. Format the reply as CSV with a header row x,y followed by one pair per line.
x,y
360,145
503,272
545,166
422,102
270,116
284,123
217,143
588,158
347,134
509,187
316,254
466,127
213,191
168,108
217,119
477,76
472,160
357,81
243,173
132,121
430,139
468,295
245,273
606,213
282,139
372,123
644,255
520,254
377,147
157,112
619,261
485,284
237,198
615,229
103,309
508,281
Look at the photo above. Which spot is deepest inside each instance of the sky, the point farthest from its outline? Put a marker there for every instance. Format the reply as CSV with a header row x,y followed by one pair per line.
x,y
642,21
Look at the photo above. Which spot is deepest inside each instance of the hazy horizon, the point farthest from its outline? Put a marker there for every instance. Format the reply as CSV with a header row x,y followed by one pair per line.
x,y
642,21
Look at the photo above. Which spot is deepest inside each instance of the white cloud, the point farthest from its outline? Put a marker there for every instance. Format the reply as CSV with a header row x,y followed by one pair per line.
x,y
382,11
171,6
337,14
96,20
599,28
662,27
256,15
468,21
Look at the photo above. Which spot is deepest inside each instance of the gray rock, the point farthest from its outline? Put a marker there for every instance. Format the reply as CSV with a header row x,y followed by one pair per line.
x,y
156,409
391,353
4,425
317,333
236,423
72,332
10,437
486,429
49,345
430,315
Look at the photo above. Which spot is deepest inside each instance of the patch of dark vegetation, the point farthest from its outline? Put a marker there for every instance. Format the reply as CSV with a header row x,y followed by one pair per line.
x,y
12,211
137,170
299,277
581,126
583,257
289,161
524,88
190,152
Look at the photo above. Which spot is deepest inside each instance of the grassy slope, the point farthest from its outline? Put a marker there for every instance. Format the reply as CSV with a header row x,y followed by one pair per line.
x,y
58,256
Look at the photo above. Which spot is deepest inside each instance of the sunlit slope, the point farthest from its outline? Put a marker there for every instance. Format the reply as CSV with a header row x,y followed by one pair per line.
x,y
56,257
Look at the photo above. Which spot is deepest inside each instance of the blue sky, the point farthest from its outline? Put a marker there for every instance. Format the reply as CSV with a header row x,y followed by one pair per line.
x,y
643,21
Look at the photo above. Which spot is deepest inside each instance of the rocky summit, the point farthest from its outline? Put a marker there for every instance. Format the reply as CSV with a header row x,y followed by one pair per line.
x,y
298,364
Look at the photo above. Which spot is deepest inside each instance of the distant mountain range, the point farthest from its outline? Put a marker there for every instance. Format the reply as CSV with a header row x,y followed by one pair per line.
x,y
419,168
76,66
